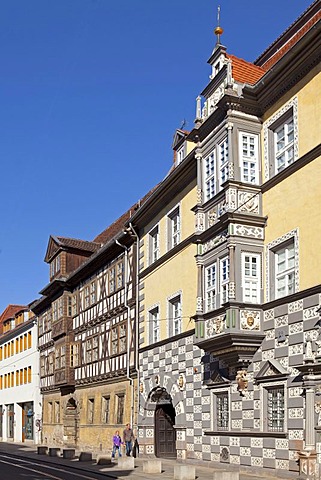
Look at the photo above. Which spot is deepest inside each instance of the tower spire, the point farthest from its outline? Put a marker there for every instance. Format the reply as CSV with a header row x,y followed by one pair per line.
x,y
218,30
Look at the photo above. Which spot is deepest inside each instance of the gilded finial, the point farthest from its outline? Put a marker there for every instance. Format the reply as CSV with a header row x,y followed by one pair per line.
x,y
218,30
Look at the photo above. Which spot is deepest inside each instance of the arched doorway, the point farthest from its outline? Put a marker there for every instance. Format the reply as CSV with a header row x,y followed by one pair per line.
x,y
165,435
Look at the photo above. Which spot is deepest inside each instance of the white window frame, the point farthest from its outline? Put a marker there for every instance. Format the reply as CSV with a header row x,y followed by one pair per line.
x,y
180,154
224,279
270,249
249,157
210,175
154,324
287,271
210,287
175,315
288,110
154,250
287,150
223,160
251,281
174,227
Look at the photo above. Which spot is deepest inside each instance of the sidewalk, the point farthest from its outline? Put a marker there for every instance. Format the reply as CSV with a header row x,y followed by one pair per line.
x,y
203,472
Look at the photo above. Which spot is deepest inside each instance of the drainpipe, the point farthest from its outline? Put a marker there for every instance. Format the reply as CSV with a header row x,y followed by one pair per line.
x,y
137,319
131,382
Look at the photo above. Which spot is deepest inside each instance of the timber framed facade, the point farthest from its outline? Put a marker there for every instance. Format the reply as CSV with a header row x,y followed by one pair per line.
x,y
87,331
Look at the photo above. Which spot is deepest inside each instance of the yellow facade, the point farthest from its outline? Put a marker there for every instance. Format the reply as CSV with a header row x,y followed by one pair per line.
x,y
179,269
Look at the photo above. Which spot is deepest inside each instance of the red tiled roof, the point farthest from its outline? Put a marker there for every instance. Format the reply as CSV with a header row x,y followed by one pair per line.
x,y
10,312
289,44
116,227
76,243
245,72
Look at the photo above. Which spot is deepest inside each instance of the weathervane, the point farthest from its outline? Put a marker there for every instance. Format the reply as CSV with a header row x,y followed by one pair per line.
x,y
218,30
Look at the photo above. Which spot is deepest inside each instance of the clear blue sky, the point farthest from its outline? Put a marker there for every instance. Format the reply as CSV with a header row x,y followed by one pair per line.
x,y
91,93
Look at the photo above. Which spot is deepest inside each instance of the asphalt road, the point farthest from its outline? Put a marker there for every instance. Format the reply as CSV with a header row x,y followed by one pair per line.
x,y
15,468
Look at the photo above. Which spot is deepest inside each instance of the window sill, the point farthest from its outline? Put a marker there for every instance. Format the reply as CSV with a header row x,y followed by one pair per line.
x,y
246,433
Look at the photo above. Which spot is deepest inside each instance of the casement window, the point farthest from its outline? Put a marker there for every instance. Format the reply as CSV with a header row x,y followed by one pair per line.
x,y
154,328
281,139
284,144
251,275
275,408
284,270
175,316
60,307
92,350
105,409
111,280
74,304
119,339
49,412
210,287
180,154
40,325
60,357
120,275
74,355
154,245
249,158
223,161
222,411
42,366
120,405
51,363
54,311
49,320
174,227
209,176
57,412
90,410
224,279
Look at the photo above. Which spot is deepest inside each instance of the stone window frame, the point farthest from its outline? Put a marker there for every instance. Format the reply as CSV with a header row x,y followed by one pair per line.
x,y
270,249
150,331
264,387
268,140
174,238
170,301
258,255
153,254
215,393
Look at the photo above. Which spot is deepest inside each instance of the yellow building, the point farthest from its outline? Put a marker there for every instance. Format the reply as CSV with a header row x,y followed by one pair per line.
x,y
243,199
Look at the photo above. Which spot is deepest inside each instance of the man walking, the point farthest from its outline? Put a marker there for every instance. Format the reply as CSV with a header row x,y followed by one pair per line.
x,y
128,437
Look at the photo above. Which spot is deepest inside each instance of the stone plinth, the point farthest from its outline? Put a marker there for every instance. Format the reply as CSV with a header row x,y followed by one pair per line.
x,y
68,453
184,472
53,452
126,463
85,457
152,466
42,450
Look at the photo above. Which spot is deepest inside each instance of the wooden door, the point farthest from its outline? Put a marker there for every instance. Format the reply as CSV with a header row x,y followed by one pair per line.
x,y
165,435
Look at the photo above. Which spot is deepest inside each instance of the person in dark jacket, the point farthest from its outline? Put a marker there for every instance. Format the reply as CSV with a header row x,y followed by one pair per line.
x,y
117,443
128,437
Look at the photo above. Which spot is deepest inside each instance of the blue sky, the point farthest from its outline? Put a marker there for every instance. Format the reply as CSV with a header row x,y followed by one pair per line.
x,y
91,93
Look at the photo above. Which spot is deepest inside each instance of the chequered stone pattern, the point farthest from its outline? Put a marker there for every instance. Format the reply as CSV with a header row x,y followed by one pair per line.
x,y
287,328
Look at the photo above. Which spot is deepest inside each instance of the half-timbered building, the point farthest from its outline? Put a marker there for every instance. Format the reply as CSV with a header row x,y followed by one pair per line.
x,y
87,329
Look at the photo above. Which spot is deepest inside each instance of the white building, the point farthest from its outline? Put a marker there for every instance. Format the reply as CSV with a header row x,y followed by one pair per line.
x,y
20,399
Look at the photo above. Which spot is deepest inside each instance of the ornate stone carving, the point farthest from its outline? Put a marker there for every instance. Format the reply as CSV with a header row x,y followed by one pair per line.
x,y
242,381
214,326
214,242
200,222
248,202
211,217
250,320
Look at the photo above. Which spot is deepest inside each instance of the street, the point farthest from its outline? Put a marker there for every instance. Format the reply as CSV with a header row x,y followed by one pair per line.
x,y
16,468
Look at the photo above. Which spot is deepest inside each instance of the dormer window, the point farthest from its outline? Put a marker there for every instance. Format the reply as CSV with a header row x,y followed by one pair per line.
x,y
180,154
55,266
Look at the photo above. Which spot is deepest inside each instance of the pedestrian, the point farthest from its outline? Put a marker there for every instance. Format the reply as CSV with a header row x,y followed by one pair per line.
x,y
128,438
116,444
